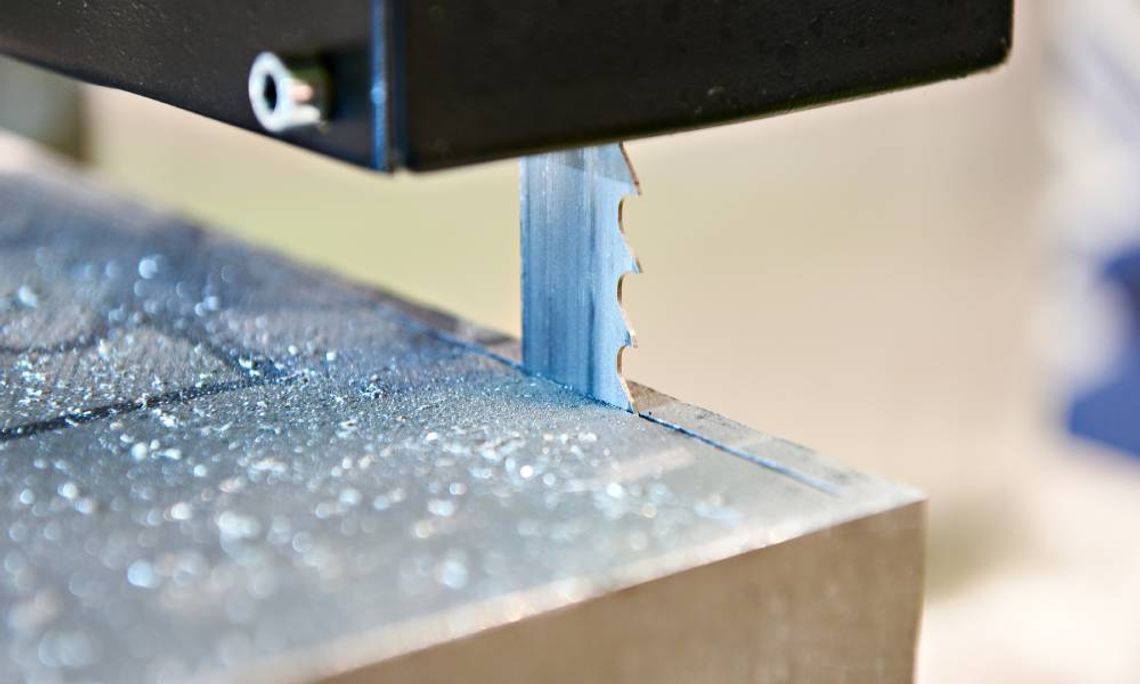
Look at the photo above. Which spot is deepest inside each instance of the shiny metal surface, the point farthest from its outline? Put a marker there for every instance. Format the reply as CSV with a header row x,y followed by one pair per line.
x,y
218,466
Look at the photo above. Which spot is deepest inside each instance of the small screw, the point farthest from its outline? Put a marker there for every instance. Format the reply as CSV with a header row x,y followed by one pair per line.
x,y
288,94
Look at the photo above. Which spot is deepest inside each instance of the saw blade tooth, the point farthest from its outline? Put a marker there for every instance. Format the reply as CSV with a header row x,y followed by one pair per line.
x,y
575,257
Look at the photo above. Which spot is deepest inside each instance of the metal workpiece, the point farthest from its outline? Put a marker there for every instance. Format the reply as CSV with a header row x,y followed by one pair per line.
x,y
430,85
574,257
218,466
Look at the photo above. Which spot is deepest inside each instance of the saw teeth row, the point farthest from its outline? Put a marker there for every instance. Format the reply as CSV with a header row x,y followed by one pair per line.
x,y
575,257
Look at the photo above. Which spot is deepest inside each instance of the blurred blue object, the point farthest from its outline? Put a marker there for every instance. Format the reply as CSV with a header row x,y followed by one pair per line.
x,y
1110,412
1094,212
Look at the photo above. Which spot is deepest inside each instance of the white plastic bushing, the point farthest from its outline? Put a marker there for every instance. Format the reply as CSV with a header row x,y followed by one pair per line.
x,y
287,95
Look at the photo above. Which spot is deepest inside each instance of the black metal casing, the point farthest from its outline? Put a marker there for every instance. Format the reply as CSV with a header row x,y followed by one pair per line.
x,y
431,84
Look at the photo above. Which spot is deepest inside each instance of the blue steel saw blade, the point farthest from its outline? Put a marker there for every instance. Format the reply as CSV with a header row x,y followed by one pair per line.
x,y
574,257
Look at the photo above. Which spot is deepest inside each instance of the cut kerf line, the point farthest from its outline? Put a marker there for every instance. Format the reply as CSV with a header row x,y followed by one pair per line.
x,y
768,464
